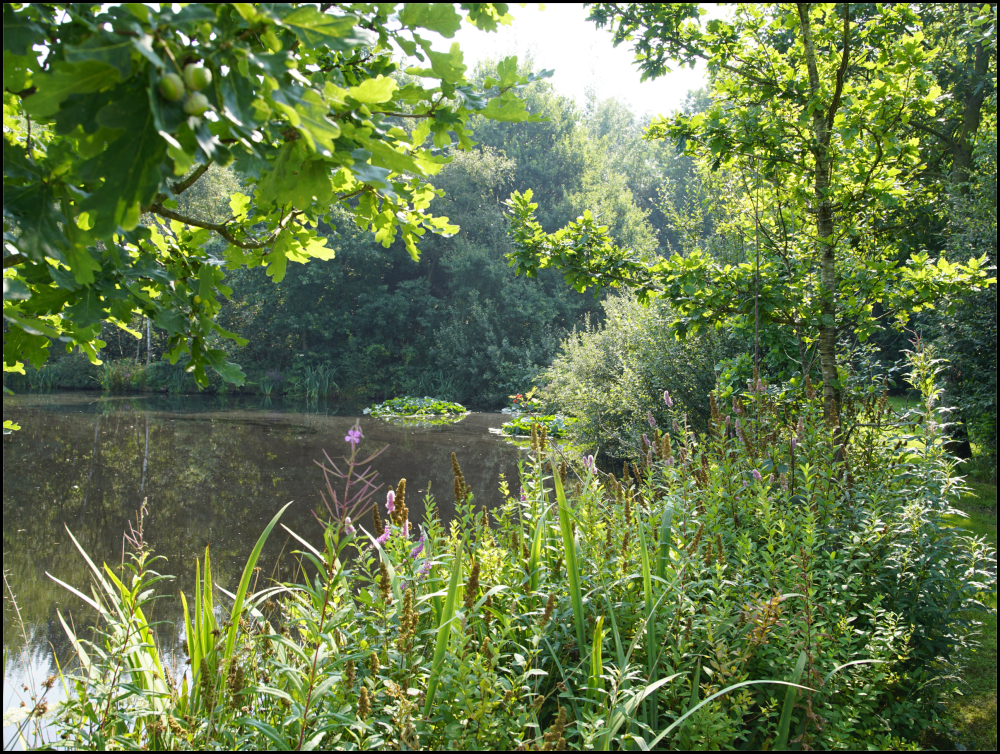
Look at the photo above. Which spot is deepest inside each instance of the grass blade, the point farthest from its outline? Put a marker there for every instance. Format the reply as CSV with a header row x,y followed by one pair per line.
x,y
241,593
535,556
663,545
572,566
647,587
594,684
666,731
781,742
444,628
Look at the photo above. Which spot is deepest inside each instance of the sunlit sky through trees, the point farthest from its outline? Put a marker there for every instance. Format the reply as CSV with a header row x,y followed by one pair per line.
x,y
559,37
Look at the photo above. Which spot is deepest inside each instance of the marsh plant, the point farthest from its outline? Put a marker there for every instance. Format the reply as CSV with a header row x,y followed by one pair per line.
x,y
778,581
316,381
122,375
269,382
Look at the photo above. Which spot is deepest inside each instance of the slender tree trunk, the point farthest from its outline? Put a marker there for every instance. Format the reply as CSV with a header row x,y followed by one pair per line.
x,y
149,342
972,113
825,226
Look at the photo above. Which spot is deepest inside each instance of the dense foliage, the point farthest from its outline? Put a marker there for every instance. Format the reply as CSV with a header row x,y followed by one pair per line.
x,y
811,112
757,585
128,106
613,375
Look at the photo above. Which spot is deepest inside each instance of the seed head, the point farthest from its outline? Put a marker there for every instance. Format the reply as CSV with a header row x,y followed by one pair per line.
x,y
364,705
384,584
550,606
553,738
472,586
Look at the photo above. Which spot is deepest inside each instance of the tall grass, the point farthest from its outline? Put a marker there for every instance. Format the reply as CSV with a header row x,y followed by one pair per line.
x,y
758,586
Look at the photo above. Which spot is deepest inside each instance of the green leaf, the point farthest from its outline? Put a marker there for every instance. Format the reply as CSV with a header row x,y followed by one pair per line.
x,y
439,17
15,290
34,207
15,71
88,308
238,203
316,30
314,124
371,91
276,260
66,79
30,325
111,49
130,166
228,370
20,33
447,66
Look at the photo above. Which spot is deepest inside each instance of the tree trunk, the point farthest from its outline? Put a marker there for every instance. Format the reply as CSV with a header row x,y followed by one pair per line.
x,y
825,227
972,113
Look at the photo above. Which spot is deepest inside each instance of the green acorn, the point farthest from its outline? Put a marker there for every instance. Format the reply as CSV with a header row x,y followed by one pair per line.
x,y
195,104
171,87
197,77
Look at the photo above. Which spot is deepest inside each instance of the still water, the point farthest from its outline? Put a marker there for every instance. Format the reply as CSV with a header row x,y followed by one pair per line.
x,y
212,473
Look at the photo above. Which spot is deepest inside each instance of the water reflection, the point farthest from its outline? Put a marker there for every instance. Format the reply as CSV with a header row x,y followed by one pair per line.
x,y
213,474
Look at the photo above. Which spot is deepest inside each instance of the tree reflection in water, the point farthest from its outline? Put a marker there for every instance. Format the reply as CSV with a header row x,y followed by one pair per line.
x,y
211,475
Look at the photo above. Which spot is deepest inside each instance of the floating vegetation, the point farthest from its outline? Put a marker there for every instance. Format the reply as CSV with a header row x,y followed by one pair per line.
x,y
556,425
419,412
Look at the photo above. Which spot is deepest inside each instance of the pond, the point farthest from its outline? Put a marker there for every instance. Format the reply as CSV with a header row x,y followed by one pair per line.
x,y
213,473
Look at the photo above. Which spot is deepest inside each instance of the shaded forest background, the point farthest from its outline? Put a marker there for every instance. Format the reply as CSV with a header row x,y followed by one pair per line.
x,y
458,324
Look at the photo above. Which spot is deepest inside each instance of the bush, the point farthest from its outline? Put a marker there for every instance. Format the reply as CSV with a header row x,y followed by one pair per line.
x,y
762,584
612,377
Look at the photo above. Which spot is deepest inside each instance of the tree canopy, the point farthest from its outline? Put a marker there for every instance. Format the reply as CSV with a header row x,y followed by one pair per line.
x,y
812,108
112,113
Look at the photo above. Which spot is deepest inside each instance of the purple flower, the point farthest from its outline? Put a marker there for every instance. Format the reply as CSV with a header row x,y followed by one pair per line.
x,y
390,501
794,443
424,569
650,419
348,527
588,463
667,400
737,408
756,475
354,435
524,496
416,551
385,534
645,440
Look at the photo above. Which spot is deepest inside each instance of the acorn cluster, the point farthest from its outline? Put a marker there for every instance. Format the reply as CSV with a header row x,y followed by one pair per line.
x,y
196,77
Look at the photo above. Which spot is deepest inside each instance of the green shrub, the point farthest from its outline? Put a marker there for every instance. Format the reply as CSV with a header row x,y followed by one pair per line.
x,y
764,584
612,377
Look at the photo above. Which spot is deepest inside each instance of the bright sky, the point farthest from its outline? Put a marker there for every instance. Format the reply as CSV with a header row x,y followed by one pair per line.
x,y
560,38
